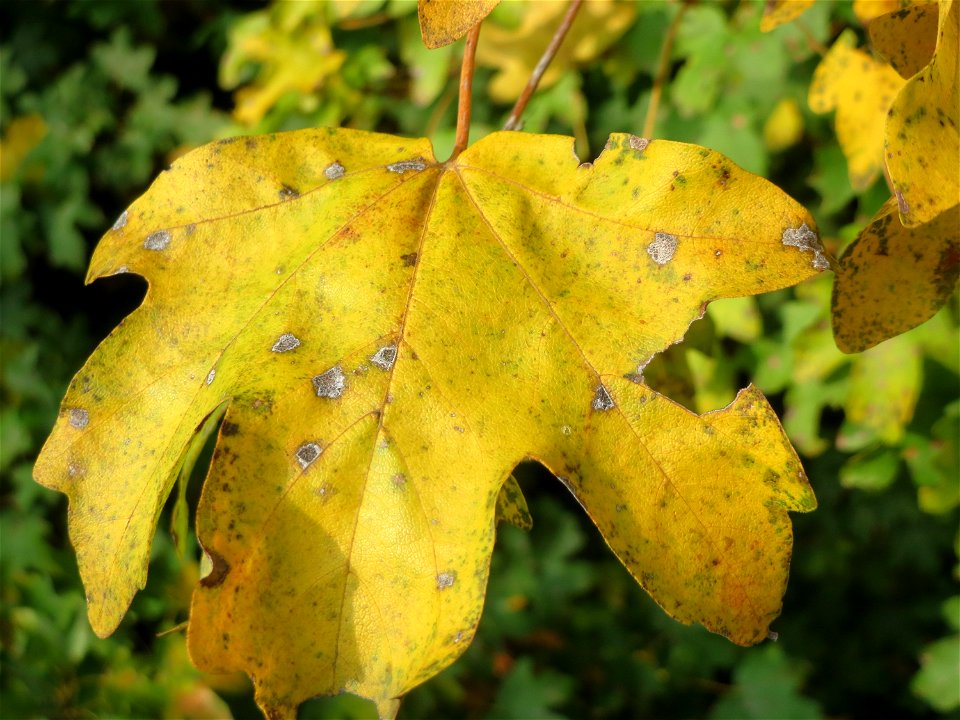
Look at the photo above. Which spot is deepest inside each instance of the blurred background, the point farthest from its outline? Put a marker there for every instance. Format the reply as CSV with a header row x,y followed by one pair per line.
x,y
98,96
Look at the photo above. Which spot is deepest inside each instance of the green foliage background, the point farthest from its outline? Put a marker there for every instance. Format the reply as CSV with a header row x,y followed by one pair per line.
x,y
871,614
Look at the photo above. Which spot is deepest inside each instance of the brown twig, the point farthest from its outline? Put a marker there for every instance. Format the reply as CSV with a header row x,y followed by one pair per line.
x,y
513,122
663,67
466,92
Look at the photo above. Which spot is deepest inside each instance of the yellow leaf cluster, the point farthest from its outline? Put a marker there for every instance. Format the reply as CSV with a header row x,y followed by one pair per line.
x,y
514,52
922,141
391,335
861,90
294,48
906,263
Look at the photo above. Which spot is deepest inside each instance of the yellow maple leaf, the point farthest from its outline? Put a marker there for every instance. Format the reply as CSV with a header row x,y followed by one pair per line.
x,y
779,12
922,140
893,278
515,52
391,336
861,90
445,21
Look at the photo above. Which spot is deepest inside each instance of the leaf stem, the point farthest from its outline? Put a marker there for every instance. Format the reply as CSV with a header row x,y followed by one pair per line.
x,y
663,67
466,92
513,122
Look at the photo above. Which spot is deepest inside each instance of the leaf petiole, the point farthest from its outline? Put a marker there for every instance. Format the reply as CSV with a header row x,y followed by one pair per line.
x,y
466,92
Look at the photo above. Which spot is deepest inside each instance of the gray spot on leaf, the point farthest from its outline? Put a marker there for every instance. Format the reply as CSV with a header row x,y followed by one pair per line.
x,y
602,400
385,357
211,375
445,580
638,143
407,166
121,221
330,384
662,248
79,418
806,239
286,343
157,240
334,170
307,453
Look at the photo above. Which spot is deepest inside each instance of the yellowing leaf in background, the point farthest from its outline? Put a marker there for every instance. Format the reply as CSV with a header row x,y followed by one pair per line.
x,y
392,336
891,278
445,21
778,12
884,384
784,127
23,134
922,142
861,91
907,38
292,43
515,51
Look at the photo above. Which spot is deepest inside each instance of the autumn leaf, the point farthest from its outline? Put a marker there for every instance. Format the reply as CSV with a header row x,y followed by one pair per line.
x,y
869,10
892,278
391,336
23,134
445,21
922,141
861,90
779,12
515,51
293,46
906,38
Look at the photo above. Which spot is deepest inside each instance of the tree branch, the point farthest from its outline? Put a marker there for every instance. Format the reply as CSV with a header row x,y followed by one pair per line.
x,y
513,122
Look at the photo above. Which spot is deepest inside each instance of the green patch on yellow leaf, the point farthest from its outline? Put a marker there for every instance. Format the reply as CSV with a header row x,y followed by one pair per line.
x,y
778,12
515,51
861,90
445,21
906,38
884,384
922,141
892,278
393,335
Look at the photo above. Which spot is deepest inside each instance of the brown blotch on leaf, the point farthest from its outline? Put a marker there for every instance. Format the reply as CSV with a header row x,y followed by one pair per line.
x,y
218,570
409,260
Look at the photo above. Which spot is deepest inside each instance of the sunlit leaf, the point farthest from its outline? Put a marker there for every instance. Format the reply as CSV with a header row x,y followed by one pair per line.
x,y
393,336
922,141
861,90
514,52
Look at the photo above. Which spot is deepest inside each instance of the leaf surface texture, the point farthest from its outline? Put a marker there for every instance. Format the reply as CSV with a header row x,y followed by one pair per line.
x,y
392,335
